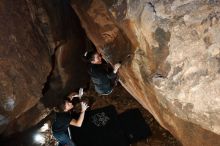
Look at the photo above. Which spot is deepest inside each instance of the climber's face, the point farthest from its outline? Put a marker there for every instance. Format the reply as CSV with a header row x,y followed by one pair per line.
x,y
68,106
97,59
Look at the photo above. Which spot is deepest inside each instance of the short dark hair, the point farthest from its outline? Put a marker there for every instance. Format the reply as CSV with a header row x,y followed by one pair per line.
x,y
90,55
61,106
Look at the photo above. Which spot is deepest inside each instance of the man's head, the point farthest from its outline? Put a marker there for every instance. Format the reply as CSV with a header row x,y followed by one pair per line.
x,y
65,106
94,57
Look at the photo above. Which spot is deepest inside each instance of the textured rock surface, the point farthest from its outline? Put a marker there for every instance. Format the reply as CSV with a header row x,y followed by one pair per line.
x,y
24,65
69,69
169,50
171,56
42,44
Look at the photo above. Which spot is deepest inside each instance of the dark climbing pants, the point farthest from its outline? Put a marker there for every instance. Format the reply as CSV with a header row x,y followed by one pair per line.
x,y
63,138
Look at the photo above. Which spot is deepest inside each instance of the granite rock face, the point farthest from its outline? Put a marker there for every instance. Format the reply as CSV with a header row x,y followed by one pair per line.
x,y
24,65
41,49
170,53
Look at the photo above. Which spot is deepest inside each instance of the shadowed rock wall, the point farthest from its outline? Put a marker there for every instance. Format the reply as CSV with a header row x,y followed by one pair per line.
x,y
41,49
24,65
69,69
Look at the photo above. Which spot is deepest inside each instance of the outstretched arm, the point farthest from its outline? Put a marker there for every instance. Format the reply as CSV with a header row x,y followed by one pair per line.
x,y
75,94
113,74
79,121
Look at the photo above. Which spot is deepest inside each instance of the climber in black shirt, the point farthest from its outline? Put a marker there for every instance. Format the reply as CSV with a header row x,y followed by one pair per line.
x,y
102,79
63,118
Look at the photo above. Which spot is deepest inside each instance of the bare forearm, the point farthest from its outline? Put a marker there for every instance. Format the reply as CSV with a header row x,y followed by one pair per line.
x,y
81,118
79,121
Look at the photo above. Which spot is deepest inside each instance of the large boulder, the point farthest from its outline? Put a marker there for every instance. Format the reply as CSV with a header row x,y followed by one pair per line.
x,y
41,46
24,65
170,53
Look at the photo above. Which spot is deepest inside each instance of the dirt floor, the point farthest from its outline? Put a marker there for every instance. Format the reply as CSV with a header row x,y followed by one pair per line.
x,y
122,100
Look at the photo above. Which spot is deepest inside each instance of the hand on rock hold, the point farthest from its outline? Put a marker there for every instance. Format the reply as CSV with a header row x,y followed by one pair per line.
x,y
84,106
116,67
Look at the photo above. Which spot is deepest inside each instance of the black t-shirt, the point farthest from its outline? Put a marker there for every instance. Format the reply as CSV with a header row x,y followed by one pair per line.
x,y
101,74
61,121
